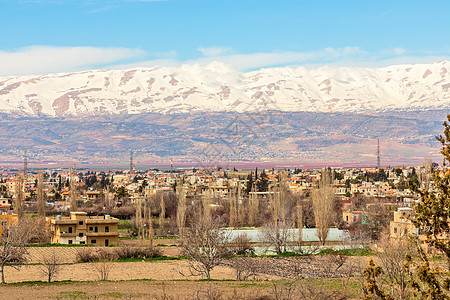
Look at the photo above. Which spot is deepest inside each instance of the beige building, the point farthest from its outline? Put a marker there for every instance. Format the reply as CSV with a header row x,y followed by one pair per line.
x,y
81,229
7,220
402,224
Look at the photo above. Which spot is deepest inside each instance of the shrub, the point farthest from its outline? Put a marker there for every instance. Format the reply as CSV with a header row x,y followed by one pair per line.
x,y
136,252
242,245
102,254
85,255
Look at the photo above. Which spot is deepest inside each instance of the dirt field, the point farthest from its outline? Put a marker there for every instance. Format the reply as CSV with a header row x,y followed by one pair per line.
x,y
68,254
162,279
140,290
164,270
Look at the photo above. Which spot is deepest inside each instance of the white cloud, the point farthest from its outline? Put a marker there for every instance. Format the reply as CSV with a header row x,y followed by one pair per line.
x,y
46,59
347,56
399,51
214,51
264,59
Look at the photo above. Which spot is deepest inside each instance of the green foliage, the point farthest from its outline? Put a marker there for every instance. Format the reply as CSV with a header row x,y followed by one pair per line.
x,y
348,252
371,273
432,218
432,213
59,245
262,184
338,175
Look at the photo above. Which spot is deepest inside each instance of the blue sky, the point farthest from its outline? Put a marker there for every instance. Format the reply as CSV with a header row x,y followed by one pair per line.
x,y
43,36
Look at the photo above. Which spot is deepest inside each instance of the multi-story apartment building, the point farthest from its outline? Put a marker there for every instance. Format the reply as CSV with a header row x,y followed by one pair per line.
x,y
81,229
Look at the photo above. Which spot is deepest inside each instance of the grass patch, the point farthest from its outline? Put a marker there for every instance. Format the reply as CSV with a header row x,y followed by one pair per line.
x,y
159,258
284,254
114,295
348,252
251,285
73,295
60,245
33,283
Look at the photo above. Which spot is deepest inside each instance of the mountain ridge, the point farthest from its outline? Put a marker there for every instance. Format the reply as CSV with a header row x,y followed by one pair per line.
x,y
218,88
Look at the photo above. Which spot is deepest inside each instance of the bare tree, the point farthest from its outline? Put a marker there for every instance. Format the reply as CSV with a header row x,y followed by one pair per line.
x,y
293,290
139,220
104,267
253,206
277,236
162,214
241,245
245,267
299,210
426,174
392,259
181,208
205,244
241,209
12,250
206,201
72,192
233,208
323,205
40,195
50,266
151,232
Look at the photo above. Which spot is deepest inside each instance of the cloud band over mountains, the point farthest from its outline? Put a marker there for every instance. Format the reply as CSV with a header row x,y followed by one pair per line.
x,y
35,60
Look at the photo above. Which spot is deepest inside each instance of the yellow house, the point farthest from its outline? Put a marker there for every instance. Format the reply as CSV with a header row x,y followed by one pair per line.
x,y
402,225
81,229
7,220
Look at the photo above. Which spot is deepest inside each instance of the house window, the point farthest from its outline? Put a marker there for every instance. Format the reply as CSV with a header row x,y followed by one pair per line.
x,y
91,228
93,241
106,243
70,229
106,228
80,234
395,229
70,242
406,230
82,243
95,229
80,223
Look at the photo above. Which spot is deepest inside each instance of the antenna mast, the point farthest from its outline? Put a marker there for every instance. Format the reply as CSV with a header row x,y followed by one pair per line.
x,y
378,153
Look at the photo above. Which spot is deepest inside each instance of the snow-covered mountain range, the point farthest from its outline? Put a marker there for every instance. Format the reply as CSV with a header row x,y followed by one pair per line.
x,y
216,87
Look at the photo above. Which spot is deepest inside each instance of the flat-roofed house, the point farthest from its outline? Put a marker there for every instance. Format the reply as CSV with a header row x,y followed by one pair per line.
x,y
82,229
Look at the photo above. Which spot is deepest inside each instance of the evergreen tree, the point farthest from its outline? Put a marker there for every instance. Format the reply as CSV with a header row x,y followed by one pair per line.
x,y
262,184
250,181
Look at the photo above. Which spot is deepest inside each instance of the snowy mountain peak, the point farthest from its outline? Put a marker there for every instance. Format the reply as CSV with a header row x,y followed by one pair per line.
x,y
217,87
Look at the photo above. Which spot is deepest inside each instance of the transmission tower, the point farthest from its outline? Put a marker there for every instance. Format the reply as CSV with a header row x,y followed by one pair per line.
x,y
378,153
131,161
